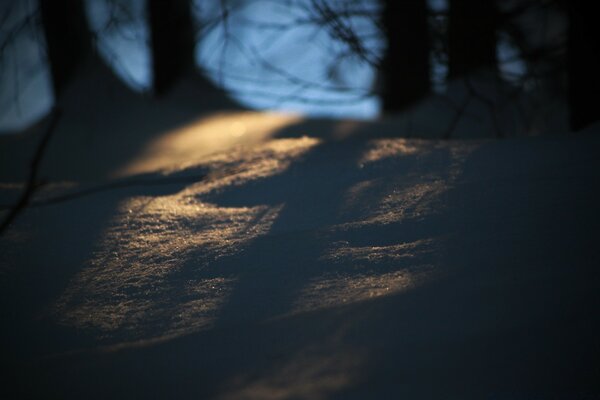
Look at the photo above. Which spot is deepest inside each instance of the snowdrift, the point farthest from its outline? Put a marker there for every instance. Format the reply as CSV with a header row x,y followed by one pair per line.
x,y
245,255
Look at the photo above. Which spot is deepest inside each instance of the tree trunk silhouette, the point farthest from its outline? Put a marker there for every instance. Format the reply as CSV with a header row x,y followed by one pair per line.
x,y
68,39
582,64
173,42
472,28
405,67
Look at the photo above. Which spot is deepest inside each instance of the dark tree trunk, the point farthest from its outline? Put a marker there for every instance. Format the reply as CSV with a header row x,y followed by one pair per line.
x,y
173,42
68,39
405,66
472,26
583,65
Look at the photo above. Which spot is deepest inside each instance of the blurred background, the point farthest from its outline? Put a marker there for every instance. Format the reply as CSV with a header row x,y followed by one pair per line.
x,y
515,67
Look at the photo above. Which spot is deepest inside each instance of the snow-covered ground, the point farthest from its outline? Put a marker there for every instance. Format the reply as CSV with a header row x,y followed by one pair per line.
x,y
245,255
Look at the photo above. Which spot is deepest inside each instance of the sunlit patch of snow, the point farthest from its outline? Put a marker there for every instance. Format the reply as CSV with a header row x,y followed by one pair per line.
x,y
193,142
148,276
151,277
400,201
242,165
382,149
413,202
387,274
314,373
385,148
342,253
338,290
414,194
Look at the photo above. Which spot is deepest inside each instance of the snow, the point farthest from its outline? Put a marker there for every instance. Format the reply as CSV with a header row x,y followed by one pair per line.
x,y
250,255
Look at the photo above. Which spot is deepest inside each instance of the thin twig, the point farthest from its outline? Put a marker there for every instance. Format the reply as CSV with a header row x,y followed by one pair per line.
x,y
32,182
486,102
119,184
457,117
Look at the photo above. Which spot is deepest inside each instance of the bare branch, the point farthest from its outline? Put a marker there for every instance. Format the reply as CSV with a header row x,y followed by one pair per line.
x,y
32,182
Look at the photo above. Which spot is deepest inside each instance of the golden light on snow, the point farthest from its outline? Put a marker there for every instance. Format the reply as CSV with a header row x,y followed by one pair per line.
x,y
338,290
241,165
341,252
237,129
208,135
414,193
149,278
412,202
161,266
151,275
351,283
385,148
312,374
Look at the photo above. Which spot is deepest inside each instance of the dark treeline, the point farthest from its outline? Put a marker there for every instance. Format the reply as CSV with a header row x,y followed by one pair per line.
x,y
468,39
68,39
173,41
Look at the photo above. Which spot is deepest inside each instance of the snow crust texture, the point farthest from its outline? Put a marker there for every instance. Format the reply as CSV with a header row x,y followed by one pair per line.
x,y
298,259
